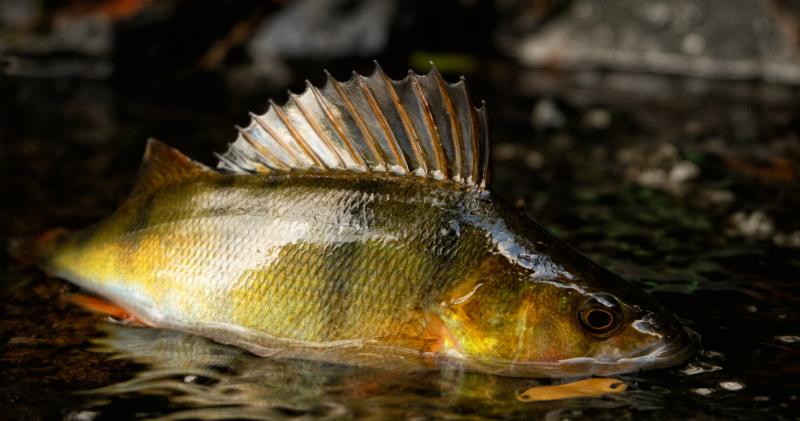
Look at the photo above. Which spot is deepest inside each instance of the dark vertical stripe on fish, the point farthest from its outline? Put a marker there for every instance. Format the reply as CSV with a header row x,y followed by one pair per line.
x,y
339,273
141,218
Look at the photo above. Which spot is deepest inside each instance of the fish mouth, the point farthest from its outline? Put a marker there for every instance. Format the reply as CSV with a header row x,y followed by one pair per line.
x,y
659,355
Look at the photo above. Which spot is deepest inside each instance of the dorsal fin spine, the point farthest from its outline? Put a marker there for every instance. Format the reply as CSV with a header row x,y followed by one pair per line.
x,y
421,125
486,149
473,131
272,130
320,133
307,151
454,128
238,155
431,124
272,160
370,143
355,154
411,131
271,133
474,141
224,162
376,110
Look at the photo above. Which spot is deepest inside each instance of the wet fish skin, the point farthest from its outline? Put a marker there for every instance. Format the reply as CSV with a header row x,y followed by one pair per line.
x,y
301,262
302,258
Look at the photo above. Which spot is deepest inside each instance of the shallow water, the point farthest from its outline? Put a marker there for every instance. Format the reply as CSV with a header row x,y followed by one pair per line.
x,y
691,195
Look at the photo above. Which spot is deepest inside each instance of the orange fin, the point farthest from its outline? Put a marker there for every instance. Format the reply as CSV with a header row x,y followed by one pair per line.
x,y
102,306
442,337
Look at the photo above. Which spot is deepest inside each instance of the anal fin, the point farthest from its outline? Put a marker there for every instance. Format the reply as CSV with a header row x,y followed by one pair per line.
x,y
103,306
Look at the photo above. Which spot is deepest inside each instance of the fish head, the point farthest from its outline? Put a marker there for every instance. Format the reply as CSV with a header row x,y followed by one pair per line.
x,y
558,314
616,331
627,331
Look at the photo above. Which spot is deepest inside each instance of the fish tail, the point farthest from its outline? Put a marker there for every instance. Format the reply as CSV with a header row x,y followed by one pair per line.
x,y
38,248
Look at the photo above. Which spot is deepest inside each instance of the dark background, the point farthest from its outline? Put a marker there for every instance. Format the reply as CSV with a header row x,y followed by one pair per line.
x,y
661,138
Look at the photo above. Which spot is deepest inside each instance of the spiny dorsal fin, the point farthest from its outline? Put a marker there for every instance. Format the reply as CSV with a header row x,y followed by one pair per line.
x,y
420,125
161,165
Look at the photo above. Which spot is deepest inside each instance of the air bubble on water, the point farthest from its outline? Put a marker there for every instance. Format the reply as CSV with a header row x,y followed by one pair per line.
x,y
703,391
789,339
732,386
692,369
761,398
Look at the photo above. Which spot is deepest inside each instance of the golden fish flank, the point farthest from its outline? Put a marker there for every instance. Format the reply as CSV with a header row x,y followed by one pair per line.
x,y
354,225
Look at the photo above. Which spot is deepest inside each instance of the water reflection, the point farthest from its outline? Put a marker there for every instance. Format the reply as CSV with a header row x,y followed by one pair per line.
x,y
198,378
183,376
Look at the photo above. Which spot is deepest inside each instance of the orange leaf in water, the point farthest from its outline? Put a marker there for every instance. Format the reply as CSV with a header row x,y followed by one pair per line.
x,y
580,389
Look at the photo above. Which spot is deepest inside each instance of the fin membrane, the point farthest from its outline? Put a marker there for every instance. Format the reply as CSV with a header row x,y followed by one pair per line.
x,y
420,125
161,165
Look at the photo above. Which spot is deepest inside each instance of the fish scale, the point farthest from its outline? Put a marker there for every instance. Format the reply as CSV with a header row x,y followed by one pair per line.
x,y
296,283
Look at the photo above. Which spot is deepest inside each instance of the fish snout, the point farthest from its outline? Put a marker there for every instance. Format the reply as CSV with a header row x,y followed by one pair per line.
x,y
668,342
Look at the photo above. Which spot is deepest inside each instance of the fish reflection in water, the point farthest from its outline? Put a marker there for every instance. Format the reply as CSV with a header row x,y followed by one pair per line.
x,y
204,379
213,380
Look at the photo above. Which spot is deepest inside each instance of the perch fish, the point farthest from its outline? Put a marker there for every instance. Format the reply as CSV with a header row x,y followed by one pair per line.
x,y
354,225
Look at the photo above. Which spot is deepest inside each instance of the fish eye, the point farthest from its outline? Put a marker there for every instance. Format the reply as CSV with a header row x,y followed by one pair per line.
x,y
600,315
598,319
